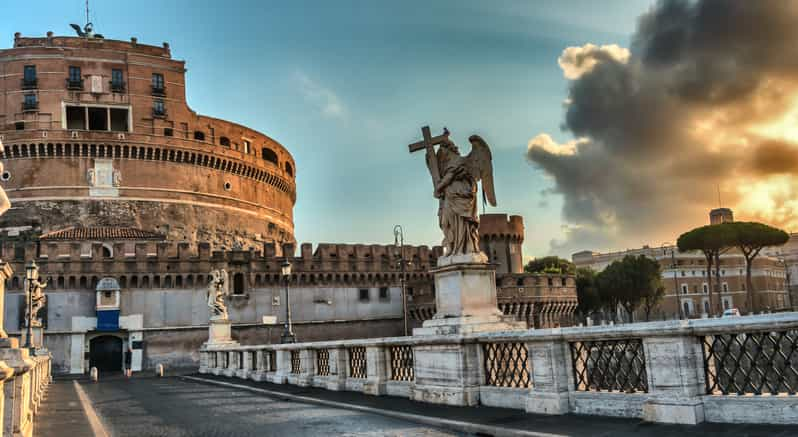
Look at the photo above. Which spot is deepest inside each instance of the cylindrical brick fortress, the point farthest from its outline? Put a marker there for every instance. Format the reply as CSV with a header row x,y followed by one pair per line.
x,y
98,133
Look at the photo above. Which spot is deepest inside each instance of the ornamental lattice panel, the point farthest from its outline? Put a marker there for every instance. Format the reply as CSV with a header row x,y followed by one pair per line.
x,y
506,364
295,362
609,365
402,363
323,362
751,363
357,362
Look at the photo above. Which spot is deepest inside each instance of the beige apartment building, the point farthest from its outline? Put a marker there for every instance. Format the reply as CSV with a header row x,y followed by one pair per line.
x,y
686,282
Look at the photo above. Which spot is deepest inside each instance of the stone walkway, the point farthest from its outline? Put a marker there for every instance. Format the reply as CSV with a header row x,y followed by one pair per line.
x,y
507,421
145,406
60,413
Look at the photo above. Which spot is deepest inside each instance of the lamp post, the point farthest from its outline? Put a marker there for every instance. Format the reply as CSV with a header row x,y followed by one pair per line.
x,y
31,274
288,334
399,242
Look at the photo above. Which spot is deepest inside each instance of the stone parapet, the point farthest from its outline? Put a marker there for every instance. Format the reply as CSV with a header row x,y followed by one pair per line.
x,y
668,372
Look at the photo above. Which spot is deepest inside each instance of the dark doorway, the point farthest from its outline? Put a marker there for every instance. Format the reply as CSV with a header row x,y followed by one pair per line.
x,y
105,353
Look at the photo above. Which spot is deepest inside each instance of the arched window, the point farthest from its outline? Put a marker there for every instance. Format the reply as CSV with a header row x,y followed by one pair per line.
x,y
108,251
199,135
289,169
83,283
238,283
224,141
706,307
686,309
269,155
145,282
178,281
15,282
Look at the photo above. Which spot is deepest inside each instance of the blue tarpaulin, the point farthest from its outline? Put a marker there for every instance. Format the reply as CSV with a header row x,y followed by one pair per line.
x,y
108,320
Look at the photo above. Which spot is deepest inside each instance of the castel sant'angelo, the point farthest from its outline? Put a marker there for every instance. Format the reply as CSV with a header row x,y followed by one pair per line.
x,y
126,199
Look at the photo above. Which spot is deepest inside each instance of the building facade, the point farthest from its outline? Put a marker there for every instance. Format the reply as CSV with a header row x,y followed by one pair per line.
x,y
127,199
684,276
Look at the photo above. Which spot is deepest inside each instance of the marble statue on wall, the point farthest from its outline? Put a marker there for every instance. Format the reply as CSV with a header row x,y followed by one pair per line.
x,y
455,178
218,290
38,299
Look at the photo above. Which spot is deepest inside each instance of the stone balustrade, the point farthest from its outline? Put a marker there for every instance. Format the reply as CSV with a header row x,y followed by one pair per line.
x,y
23,390
740,369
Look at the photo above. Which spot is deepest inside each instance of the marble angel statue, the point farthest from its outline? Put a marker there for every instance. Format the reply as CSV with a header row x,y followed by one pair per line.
x,y
218,290
455,179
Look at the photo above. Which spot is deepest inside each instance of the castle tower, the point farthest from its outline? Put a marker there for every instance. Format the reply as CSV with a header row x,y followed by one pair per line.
x,y
720,215
501,239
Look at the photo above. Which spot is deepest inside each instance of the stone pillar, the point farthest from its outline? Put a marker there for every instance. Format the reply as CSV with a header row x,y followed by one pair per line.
x,y
17,415
283,367
259,374
447,373
674,366
550,385
376,372
232,363
337,379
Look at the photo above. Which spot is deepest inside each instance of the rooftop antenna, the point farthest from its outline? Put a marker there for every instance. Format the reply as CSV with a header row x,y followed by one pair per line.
x,y
88,30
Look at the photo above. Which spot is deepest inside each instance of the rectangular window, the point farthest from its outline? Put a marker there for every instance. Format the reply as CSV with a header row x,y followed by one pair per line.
x,y
75,80
76,117
20,125
30,103
29,77
167,132
683,273
119,120
705,288
363,294
117,80
158,109
384,293
247,147
684,289
725,287
157,83
98,118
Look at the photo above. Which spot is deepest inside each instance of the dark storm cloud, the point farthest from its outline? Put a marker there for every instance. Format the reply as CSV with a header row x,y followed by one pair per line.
x,y
667,125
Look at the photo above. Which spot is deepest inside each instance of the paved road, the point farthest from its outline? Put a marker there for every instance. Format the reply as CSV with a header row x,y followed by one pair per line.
x,y
146,406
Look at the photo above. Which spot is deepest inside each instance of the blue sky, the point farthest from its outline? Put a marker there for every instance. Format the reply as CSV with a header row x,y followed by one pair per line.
x,y
346,85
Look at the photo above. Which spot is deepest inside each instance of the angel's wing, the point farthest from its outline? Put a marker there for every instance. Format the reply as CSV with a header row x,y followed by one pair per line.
x,y
78,29
480,165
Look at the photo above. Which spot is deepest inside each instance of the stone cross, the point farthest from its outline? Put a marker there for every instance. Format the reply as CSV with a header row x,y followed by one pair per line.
x,y
429,142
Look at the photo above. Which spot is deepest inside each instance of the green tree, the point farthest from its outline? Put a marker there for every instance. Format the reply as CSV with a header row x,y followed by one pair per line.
x,y
587,292
712,241
750,238
629,282
550,264
651,301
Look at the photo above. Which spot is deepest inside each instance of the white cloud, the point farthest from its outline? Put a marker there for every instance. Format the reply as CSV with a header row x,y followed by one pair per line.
x,y
546,143
576,61
323,98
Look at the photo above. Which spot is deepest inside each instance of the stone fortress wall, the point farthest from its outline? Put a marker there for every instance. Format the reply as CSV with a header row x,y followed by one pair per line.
x,y
101,152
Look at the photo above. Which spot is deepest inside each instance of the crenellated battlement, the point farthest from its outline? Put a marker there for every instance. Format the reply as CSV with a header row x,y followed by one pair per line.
x,y
72,263
500,226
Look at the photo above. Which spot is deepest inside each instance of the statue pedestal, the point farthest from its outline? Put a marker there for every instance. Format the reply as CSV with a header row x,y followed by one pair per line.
x,y
219,333
37,340
465,298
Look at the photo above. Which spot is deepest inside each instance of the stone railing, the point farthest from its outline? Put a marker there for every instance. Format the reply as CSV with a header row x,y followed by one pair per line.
x,y
23,390
741,369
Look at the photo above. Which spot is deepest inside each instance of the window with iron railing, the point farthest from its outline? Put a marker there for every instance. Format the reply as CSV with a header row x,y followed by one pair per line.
x,y
74,81
29,77
30,103
158,87
158,108
117,81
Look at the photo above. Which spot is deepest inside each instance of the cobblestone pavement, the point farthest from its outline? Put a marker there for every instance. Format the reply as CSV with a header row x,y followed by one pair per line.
x,y
147,406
